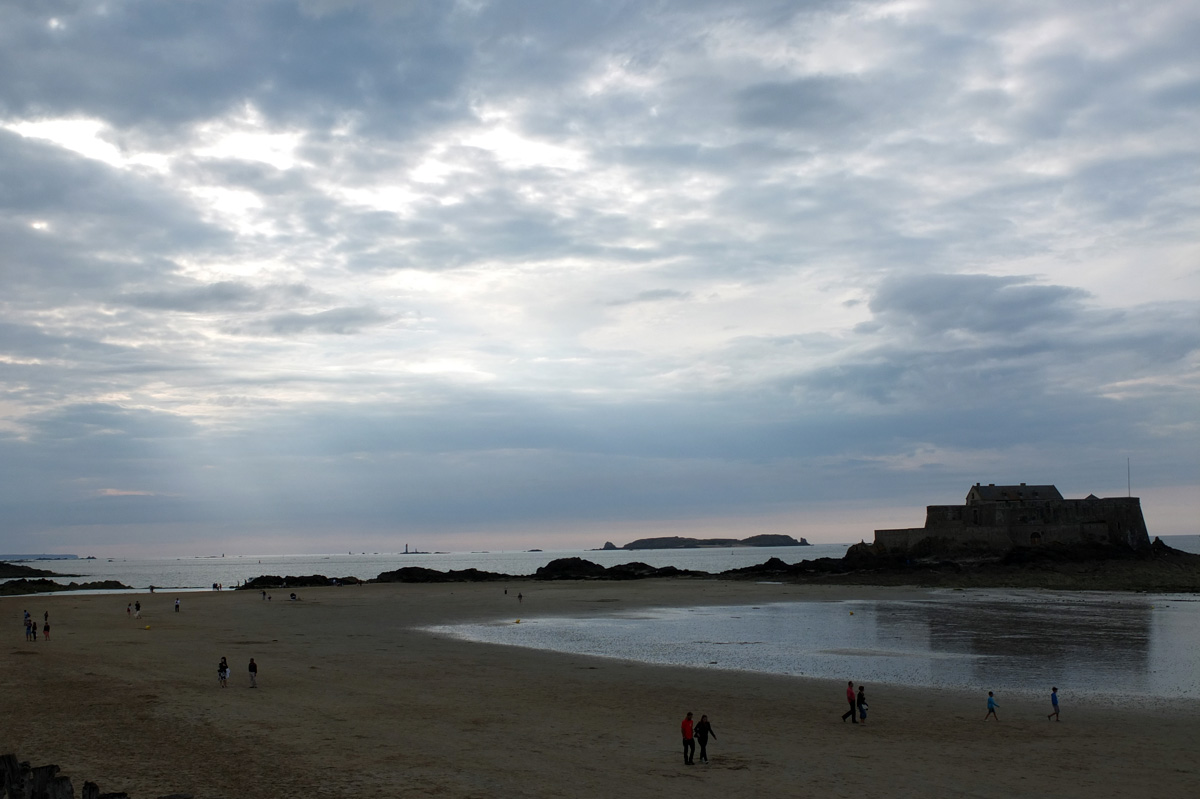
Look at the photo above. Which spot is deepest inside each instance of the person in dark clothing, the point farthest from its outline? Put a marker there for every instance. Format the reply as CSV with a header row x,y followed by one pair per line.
x,y
862,704
689,742
703,730
853,706
253,674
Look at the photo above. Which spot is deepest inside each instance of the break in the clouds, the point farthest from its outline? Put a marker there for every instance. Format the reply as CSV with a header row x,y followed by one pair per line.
x,y
284,276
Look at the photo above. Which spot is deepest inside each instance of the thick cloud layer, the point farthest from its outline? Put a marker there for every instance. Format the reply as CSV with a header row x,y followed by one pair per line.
x,y
281,275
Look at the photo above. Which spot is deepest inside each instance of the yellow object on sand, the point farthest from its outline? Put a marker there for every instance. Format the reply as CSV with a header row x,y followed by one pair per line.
x,y
518,621
147,626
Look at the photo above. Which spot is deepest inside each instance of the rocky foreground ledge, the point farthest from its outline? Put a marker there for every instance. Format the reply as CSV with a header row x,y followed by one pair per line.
x,y
19,780
1093,567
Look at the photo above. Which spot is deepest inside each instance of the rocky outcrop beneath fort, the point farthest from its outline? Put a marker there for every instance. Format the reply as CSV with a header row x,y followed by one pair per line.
x,y
44,586
1085,566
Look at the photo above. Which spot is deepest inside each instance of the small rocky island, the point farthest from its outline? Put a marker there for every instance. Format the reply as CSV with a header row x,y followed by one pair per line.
x,y
678,542
33,581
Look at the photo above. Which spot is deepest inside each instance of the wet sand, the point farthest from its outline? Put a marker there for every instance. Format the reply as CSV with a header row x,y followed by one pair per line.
x,y
353,700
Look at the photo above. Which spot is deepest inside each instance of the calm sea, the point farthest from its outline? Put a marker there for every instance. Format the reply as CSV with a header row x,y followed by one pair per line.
x,y
201,573
198,574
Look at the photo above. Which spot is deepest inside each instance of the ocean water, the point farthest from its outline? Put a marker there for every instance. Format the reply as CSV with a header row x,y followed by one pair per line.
x,y
200,573
1015,642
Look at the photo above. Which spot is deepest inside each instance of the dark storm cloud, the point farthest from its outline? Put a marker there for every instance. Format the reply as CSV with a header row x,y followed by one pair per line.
x,y
972,303
226,295
335,321
181,62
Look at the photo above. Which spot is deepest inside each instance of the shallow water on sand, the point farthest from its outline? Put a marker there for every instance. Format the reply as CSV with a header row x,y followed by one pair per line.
x,y
1015,641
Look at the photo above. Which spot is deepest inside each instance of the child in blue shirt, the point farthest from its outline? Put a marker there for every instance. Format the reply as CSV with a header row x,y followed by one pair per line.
x,y
991,707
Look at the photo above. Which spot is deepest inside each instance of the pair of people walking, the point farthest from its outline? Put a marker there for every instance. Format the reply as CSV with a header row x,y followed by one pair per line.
x,y
857,702
223,673
992,705
693,733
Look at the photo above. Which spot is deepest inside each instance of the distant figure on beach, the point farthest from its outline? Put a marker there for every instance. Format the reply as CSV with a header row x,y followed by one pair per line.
x,y
853,707
991,707
703,730
1054,704
520,597
861,701
129,609
253,674
223,672
176,604
45,631
46,616
689,742
264,594
137,609
293,597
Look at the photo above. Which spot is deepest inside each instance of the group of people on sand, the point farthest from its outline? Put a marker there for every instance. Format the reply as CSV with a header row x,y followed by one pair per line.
x,y
31,629
694,733
223,673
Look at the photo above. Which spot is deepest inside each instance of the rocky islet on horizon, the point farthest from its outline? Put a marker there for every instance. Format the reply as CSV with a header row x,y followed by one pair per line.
x,y
680,542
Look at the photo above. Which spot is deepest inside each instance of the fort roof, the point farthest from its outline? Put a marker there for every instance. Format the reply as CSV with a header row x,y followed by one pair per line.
x,y
1017,493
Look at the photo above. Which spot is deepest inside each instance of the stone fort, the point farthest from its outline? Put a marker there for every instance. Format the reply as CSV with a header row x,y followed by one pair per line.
x,y
1002,517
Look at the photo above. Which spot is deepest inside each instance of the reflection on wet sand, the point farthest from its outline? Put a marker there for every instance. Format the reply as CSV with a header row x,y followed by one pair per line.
x,y
1022,641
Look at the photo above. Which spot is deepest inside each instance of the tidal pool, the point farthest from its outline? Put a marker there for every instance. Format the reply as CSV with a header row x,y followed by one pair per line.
x,y
1018,641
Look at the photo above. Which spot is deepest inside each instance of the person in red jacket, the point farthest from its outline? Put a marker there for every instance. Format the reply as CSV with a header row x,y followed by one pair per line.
x,y
850,699
689,741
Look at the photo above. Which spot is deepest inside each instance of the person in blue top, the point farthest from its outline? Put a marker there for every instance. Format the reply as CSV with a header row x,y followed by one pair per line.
x,y
1054,702
991,707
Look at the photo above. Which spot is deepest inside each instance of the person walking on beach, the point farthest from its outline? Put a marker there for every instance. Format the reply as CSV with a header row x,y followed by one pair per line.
x,y
861,701
1054,704
689,742
703,730
45,631
991,707
223,672
137,609
853,707
176,604
253,674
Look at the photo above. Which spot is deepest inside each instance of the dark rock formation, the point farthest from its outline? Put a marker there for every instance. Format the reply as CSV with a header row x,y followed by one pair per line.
x,y
19,781
10,570
580,569
309,581
677,542
608,546
419,574
44,586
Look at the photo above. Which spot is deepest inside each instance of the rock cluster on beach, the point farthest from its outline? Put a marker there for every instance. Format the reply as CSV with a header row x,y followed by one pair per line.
x,y
44,586
679,542
19,780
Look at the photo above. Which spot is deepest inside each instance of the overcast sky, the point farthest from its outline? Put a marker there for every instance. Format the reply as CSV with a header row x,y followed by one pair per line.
x,y
329,275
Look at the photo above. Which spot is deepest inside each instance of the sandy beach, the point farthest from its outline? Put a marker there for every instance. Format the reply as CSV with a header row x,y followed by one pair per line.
x,y
354,700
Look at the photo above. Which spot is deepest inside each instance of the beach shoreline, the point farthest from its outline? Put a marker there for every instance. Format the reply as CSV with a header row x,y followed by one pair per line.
x,y
355,698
